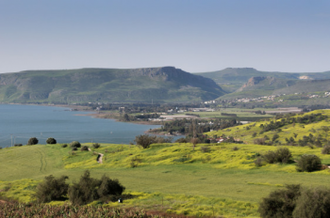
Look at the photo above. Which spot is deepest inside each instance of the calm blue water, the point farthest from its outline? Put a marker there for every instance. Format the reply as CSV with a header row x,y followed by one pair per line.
x,y
18,123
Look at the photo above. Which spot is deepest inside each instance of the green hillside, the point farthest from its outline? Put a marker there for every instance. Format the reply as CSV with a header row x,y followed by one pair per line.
x,y
232,79
166,84
203,180
309,129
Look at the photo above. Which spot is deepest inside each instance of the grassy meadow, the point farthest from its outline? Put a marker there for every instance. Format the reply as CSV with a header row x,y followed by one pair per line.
x,y
206,180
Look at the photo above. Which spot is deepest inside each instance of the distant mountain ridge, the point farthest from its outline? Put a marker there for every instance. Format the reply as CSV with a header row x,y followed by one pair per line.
x,y
234,78
163,84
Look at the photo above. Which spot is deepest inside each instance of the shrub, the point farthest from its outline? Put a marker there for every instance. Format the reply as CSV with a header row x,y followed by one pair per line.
x,y
33,141
309,163
109,187
85,191
51,141
89,189
96,145
146,140
74,149
313,203
270,157
75,144
254,134
64,145
52,189
280,203
283,155
84,148
181,140
326,149
18,145
235,148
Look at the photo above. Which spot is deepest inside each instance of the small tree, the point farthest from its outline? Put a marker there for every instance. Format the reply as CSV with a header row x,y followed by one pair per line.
x,y
96,145
85,191
309,163
75,144
33,141
51,141
313,203
326,149
109,187
145,140
280,203
52,189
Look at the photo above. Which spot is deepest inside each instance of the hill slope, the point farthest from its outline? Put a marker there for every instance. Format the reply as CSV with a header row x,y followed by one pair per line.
x,y
166,84
234,78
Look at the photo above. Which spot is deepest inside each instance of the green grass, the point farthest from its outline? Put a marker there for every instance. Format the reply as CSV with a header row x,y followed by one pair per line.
x,y
170,177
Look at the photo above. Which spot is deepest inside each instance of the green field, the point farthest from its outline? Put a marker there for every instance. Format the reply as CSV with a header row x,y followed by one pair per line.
x,y
170,177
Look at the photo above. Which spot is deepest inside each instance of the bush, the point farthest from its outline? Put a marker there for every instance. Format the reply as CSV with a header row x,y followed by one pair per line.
x,y
326,149
74,149
96,145
109,187
18,145
89,189
33,141
64,145
281,155
84,148
313,203
85,191
146,140
51,141
181,140
75,144
52,189
309,163
280,203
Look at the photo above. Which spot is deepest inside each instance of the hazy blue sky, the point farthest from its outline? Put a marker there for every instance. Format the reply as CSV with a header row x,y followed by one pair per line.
x,y
196,36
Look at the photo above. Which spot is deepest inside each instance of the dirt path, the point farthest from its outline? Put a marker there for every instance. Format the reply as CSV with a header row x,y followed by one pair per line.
x,y
100,159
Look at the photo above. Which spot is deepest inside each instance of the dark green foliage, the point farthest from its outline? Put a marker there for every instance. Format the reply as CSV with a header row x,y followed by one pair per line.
x,y
146,140
64,145
254,134
275,136
33,141
181,140
309,163
96,145
89,189
75,144
74,149
18,145
326,149
259,141
281,155
84,148
313,203
52,189
280,203
51,141
235,148
109,187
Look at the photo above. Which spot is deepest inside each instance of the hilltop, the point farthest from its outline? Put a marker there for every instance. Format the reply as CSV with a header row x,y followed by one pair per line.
x,y
164,84
232,79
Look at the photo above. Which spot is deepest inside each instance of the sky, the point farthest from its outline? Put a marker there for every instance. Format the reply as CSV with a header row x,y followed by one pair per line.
x,y
193,35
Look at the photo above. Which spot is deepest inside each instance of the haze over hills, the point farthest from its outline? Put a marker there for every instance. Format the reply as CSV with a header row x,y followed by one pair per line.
x,y
164,84
231,79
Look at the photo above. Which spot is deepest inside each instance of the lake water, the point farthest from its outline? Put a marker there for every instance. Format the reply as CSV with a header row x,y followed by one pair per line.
x,y
18,123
